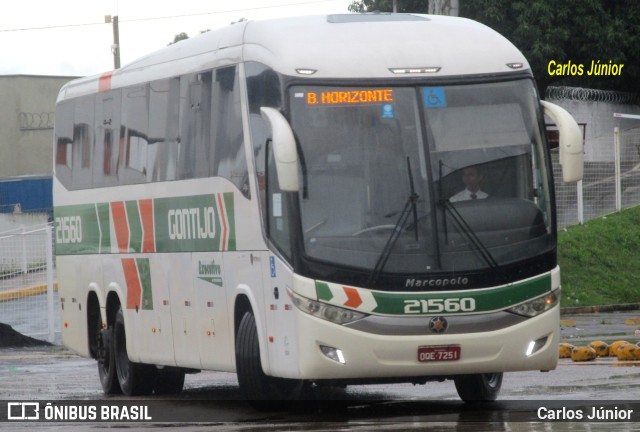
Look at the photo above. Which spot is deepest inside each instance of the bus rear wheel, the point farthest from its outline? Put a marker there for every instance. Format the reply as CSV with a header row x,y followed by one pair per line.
x,y
479,387
106,361
169,380
263,392
134,378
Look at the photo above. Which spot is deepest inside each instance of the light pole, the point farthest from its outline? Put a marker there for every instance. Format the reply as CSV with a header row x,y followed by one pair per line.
x,y
115,48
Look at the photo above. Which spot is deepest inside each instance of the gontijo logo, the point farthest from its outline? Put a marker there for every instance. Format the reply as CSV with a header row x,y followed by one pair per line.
x,y
192,223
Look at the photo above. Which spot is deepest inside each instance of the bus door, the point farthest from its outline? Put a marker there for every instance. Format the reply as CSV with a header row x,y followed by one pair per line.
x,y
214,333
184,312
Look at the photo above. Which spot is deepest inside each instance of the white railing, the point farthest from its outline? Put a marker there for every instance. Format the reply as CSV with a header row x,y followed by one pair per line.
x,y
608,186
28,296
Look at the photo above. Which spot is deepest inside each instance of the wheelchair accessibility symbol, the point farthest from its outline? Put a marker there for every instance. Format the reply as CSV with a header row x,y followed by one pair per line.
x,y
434,97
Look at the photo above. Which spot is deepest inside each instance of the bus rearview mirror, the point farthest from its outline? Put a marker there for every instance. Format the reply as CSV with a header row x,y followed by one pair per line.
x,y
284,149
571,146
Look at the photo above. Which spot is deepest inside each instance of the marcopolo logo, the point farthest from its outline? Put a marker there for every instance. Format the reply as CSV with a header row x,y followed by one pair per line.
x,y
436,282
210,272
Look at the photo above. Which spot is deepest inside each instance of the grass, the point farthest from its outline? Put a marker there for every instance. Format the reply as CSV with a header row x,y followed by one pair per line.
x,y
600,260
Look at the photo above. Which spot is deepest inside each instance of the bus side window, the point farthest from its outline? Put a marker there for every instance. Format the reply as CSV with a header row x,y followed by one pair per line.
x,y
133,134
164,96
263,89
195,91
107,149
64,142
278,226
227,140
81,177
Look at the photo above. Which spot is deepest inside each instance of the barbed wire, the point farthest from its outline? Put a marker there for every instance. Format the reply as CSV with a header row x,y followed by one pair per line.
x,y
36,121
591,95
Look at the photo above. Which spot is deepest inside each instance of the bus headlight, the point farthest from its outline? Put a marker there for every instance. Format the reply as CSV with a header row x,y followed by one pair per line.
x,y
538,305
325,311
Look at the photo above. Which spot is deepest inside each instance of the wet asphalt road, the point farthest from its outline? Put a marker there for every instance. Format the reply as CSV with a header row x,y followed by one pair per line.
x,y
212,399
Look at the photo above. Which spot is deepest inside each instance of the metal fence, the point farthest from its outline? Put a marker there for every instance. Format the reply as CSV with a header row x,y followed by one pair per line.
x,y
28,297
607,186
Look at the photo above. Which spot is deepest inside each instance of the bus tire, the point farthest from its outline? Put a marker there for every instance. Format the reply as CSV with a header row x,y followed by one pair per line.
x,y
134,378
107,362
170,380
262,391
479,387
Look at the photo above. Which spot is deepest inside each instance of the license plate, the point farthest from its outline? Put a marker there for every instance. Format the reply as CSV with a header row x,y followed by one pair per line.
x,y
438,353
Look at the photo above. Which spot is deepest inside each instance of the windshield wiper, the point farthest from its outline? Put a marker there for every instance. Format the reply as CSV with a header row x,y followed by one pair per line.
x,y
409,208
464,227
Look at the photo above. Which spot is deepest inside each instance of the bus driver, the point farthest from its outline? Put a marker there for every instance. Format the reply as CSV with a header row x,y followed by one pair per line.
x,y
472,178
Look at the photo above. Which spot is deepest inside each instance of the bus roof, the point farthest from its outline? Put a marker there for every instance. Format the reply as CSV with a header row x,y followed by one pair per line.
x,y
334,46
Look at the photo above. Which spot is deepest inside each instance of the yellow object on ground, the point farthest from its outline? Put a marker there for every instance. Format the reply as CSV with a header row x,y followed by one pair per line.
x,y
628,352
613,348
583,354
601,348
565,350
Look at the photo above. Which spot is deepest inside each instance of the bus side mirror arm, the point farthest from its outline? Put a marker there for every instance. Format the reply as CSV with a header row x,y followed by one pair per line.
x,y
571,147
284,149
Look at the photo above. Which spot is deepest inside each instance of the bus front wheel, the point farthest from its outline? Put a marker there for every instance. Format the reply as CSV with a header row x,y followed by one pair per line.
x,y
134,378
264,392
479,387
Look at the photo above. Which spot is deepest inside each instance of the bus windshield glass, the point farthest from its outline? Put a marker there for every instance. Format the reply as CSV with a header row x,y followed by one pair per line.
x,y
410,180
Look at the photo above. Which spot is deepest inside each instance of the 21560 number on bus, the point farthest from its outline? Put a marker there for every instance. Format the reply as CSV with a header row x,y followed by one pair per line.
x,y
436,305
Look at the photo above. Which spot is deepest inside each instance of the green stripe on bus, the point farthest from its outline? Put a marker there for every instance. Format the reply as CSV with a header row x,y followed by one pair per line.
x,y
486,300
181,224
102,211
230,210
323,291
76,230
135,226
481,300
144,271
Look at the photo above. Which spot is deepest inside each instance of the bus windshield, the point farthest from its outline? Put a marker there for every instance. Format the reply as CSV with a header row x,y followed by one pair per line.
x,y
410,180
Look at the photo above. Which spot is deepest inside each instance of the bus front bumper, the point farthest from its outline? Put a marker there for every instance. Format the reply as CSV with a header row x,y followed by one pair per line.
x,y
330,351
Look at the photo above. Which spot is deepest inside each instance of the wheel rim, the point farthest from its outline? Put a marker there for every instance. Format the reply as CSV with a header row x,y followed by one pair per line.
x,y
492,379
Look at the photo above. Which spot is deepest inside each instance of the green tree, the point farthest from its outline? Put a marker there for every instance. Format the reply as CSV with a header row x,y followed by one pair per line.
x,y
560,30
180,36
403,6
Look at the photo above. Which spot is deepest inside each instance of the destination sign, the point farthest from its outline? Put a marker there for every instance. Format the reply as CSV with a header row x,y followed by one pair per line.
x,y
349,97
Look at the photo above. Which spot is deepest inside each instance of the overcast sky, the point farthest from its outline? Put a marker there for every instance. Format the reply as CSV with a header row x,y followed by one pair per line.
x,y
69,37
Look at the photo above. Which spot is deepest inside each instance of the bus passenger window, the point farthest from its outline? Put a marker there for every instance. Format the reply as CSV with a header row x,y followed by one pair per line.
x,y
64,142
135,122
228,158
82,143
107,130
164,97
195,93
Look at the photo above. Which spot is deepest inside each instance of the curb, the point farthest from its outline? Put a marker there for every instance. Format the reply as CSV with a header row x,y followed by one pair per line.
x,y
599,308
20,293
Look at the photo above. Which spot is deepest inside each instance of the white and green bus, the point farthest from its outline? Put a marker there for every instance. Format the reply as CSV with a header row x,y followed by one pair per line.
x,y
282,199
